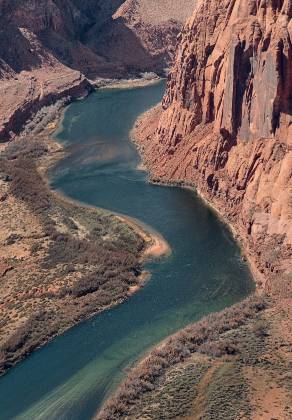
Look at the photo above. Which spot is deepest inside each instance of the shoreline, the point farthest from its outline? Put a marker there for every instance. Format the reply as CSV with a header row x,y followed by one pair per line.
x,y
258,278
132,397
126,83
68,311
155,245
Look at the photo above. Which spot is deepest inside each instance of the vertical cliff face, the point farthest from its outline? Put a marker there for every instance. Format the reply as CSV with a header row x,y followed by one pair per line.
x,y
226,122
233,68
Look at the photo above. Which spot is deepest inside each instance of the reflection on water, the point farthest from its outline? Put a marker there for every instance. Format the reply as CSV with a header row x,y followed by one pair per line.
x,y
70,377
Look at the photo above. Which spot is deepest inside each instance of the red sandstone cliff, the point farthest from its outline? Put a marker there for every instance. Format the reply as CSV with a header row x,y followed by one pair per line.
x,y
226,123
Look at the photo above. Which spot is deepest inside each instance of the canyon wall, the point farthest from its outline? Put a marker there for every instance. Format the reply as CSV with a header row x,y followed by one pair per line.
x,y
98,38
143,34
49,47
226,124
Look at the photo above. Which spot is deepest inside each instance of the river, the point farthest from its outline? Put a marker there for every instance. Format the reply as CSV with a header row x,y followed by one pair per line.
x,y
70,377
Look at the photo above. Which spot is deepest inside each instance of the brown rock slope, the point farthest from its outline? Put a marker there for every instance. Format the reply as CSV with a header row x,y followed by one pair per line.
x,y
100,38
143,34
38,79
31,74
226,124
46,48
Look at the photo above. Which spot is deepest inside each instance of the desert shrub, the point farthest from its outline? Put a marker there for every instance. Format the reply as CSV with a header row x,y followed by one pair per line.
x,y
5,177
35,248
70,223
16,341
27,185
13,238
176,349
66,249
67,269
227,395
49,229
87,284
34,331
260,328
219,348
29,149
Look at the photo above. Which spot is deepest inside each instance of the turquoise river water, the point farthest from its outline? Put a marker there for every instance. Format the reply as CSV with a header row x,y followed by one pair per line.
x,y
71,376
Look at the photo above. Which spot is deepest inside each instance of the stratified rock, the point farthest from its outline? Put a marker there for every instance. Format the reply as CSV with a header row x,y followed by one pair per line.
x,y
226,122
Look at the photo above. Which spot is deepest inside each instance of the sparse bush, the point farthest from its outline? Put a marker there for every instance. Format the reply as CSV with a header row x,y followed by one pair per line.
x,y
176,349
13,238
260,328
28,149
5,177
70,223
35,248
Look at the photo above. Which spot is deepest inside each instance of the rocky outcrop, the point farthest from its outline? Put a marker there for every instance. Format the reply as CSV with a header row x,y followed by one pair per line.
x,y
31,77
226,124
233,69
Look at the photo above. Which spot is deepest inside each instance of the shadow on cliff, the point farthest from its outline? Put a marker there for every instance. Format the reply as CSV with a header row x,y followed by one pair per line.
x,y
19,54
82,36
119,44
112,50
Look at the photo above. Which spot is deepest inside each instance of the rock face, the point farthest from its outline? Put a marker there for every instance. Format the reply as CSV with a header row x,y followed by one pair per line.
x,y
233,68
226,123
143,33
96,37
31,77
59,27
48,46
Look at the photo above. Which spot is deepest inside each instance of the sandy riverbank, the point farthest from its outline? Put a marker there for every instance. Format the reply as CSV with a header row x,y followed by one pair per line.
x,y
156,245
126,83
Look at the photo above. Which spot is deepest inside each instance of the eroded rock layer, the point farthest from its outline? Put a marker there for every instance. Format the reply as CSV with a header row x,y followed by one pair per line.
x,y
226,123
